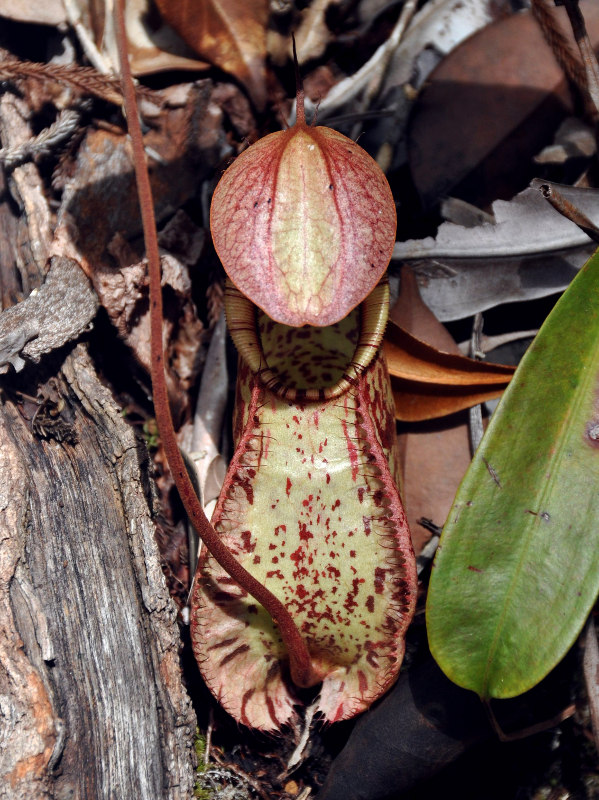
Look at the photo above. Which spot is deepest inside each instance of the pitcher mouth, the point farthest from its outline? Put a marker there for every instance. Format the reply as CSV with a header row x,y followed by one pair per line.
x,y
248,326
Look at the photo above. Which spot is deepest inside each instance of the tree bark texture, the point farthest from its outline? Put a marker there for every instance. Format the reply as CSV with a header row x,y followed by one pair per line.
x,y
91,699
92,702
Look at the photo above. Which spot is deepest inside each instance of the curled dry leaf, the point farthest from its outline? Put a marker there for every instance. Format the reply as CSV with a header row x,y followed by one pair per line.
x,y
455,288
304,224
152,45
124,295
433,455
512,103
529,251
231,34
208,417
440,26
573,139
429,383
525,225
436,29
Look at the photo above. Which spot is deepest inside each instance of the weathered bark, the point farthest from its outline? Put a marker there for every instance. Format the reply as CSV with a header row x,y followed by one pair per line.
x,y
92,703
91,694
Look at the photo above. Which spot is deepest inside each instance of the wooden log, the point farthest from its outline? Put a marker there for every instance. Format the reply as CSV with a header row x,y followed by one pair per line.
x,y
92,700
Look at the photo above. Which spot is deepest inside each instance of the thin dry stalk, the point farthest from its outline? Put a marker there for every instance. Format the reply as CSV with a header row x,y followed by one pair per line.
x,y
301,668
555,38
476,428
569,210
86,80
590,668
587,54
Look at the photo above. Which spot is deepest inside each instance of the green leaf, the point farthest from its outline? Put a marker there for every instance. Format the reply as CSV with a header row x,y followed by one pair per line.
x,y
517,570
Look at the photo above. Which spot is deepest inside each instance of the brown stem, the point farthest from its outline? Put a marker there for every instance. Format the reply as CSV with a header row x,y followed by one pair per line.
x,y
300,112
524,733
586,51
300,663
569,210
560,46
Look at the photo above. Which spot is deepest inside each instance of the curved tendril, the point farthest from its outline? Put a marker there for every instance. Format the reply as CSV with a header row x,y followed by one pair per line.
x,y
300,663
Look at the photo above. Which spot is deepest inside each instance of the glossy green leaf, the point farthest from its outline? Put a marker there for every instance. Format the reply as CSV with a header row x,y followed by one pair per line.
x,y
517,571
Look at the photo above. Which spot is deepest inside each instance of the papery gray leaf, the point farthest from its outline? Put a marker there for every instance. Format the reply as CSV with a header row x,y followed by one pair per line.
x,y
530,251
525,225
458,288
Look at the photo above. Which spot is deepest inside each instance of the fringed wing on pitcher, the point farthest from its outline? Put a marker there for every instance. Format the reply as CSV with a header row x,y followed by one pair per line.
x,y
310,506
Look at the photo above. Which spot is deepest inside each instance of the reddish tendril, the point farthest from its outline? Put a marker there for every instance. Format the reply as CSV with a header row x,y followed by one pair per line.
x,y
300,664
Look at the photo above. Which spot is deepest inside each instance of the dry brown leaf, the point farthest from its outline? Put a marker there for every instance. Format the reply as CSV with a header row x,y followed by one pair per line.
x,y
528,251
123,293
433,455
416,402
231,34
412,359
153,46
100,198
480,120
429,383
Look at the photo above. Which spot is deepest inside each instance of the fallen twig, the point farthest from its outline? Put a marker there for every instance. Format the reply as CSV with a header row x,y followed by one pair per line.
x,y
589,60
569,210
58,312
